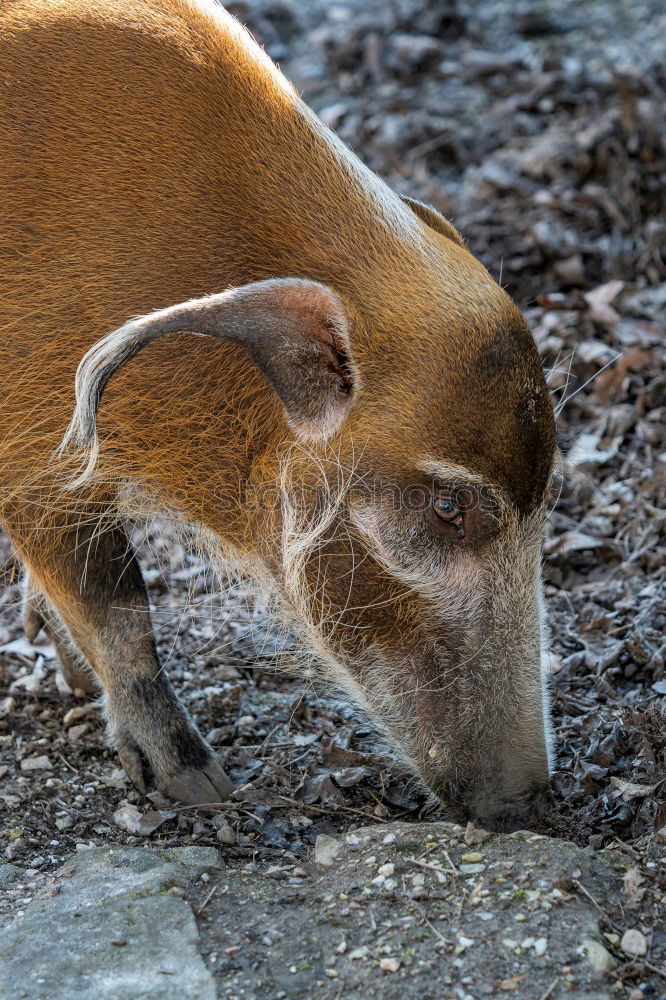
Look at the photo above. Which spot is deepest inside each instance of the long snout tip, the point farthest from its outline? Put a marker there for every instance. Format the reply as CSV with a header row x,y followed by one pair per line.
x,y
500,814
523,813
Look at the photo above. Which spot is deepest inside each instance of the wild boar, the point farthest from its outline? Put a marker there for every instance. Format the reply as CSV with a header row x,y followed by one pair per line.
x,y
304,335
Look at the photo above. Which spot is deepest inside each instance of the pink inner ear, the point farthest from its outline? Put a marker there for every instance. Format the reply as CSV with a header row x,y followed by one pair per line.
x,y
339,355
315,383
323,320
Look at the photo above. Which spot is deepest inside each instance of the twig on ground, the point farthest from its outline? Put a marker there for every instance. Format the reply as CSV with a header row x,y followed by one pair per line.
x,y
207,900
549,991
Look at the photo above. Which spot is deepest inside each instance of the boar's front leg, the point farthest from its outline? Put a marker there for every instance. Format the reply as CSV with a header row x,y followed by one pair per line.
x,y
90,577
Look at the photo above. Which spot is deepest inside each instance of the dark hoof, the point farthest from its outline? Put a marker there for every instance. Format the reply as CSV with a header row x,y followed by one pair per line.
x,y
33,621
192,786
196,787
133,765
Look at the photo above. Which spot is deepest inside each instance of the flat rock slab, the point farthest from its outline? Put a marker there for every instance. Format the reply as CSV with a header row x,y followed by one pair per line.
x,y
112,930
386,911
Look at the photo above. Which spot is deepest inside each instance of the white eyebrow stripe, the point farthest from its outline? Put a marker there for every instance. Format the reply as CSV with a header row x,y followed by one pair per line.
x,y
444,471
449,470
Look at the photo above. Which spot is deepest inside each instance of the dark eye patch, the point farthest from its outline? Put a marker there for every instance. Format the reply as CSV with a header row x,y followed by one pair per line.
x,y
470,510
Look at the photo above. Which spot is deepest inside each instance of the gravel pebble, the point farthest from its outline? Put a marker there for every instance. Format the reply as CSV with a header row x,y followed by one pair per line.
x,y
634,943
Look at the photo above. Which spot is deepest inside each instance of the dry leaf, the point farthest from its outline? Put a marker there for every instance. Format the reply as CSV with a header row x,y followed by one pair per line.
x,y
608,381
572,541
152,819
474,836
128,818
599,302
511,984
21,647
633,887
628,790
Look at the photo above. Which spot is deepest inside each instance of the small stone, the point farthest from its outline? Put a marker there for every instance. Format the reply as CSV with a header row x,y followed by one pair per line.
x,y
472,858
216,737
41,763
227,672
226,835
541,946
64,822
13,849
600,959
116,779
358,953
331,973
387,869
633,942
326,849
76,732
389,964
463,944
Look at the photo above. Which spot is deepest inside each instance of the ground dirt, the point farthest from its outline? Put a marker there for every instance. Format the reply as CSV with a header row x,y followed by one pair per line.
x,y
405,909
540,130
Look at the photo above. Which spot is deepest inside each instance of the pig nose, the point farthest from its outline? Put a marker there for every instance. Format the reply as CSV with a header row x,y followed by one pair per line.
x,y
504,818
503,815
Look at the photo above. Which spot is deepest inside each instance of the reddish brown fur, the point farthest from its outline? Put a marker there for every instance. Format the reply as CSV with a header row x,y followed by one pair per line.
x,y
148,156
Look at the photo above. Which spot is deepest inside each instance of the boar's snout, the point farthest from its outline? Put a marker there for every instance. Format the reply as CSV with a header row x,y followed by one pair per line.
x,y
499,814
502,792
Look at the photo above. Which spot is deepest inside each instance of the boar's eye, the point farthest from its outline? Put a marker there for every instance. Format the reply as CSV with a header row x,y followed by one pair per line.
x,y
448,509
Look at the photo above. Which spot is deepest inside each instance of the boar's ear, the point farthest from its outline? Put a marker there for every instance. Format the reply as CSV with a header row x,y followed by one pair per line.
x,y
295,331
434,219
